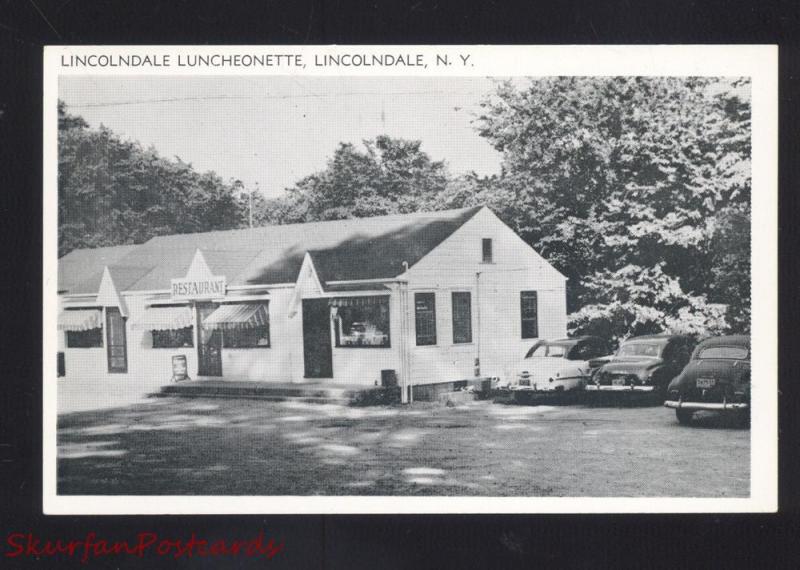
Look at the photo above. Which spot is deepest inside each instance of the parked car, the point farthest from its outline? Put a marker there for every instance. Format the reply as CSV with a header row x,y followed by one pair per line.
x,y
717,378
644,364
560,365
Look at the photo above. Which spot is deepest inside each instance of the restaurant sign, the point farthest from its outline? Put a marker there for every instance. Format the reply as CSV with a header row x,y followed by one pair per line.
x,y
208,288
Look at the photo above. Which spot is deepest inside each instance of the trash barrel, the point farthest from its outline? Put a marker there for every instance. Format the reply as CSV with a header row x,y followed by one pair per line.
x,y
388,378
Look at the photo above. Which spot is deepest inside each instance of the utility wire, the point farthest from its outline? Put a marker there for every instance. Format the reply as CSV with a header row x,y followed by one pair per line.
x,y
266,97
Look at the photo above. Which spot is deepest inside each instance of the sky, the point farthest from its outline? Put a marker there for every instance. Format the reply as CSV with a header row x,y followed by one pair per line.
x,y
270,132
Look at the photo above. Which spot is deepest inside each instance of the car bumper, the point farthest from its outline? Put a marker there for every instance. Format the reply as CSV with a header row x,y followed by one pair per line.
x,y
681,405
566,386
596,388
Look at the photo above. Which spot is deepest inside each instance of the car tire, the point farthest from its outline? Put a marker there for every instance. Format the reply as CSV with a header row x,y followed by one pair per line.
x,y
684,416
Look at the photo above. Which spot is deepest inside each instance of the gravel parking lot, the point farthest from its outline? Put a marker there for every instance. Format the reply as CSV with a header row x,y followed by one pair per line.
x,y
250,447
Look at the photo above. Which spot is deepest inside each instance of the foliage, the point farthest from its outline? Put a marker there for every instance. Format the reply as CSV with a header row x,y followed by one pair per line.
x,y
631,182
388,176
637,189
112,191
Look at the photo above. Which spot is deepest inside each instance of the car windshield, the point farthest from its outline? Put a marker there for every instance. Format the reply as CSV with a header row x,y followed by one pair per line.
x,y
724,352
550,350
649,349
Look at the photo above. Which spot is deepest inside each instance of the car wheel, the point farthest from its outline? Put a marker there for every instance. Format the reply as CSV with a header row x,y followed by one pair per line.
x,y
684,416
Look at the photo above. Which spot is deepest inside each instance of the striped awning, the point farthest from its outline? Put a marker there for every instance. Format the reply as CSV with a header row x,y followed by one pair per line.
x,y
238,316
358,301
165,318
80,320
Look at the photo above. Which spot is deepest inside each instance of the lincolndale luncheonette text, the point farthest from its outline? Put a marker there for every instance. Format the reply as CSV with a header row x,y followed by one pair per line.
x,y
219,60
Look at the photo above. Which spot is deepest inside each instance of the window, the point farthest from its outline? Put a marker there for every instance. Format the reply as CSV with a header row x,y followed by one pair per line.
x,y
545,350
93,338
529,311
247,337
174,338
487,250
724,353
462,317
241,325
425,318
117,346
362,322
649,349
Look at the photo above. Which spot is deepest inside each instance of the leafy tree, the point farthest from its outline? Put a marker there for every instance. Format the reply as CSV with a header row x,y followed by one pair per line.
x,y
112,191
625,184
388,176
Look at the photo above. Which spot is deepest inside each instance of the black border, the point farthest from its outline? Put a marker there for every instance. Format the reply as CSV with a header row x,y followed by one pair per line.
x,y
380,541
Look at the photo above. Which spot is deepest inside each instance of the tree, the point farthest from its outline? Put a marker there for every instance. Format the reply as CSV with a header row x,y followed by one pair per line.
x,y
112,191
388,176
629,181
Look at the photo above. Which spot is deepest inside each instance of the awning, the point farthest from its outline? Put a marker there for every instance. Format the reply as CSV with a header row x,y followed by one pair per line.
x,y
80,320
358,301
238,316
165,318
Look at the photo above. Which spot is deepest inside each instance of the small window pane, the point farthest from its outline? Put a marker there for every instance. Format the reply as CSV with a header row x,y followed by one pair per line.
x,y
175,338
529,311
487,250
462,317
425,318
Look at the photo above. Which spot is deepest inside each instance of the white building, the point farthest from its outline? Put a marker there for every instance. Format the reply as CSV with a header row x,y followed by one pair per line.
x,y
434,297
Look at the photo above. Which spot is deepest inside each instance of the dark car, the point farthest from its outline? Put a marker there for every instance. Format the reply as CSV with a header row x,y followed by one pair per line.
x,y
717,378
644,364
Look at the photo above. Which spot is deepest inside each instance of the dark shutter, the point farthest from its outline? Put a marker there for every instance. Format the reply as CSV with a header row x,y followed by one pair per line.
x,y
117,349
487,250
462,317
61,368
529,311
425,318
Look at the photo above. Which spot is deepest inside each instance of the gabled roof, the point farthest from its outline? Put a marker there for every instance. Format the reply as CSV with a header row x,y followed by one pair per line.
x,y
86,265
342,250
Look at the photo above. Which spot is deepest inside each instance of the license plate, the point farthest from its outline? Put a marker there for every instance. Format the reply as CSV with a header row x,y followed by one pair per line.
x,y
618,381
705,382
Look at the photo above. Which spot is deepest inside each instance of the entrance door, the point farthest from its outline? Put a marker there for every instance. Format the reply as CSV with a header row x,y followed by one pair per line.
x,y
209,346
317,352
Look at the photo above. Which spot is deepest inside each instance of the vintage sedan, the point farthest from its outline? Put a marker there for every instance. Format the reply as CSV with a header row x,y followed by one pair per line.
x,y
561,365
717,378
644,364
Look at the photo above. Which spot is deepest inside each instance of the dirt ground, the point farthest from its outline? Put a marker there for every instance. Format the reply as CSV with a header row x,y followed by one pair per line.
x,y
249,447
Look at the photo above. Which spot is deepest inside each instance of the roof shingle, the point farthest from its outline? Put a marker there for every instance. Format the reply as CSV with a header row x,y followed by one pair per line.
x,y
353,249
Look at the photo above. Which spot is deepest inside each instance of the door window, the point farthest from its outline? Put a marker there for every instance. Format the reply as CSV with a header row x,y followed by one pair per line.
x,y
117,346
425,318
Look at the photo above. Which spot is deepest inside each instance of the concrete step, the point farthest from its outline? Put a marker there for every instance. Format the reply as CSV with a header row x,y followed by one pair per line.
x,y
276,392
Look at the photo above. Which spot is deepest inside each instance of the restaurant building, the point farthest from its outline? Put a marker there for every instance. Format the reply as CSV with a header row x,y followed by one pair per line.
x,y
420,298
